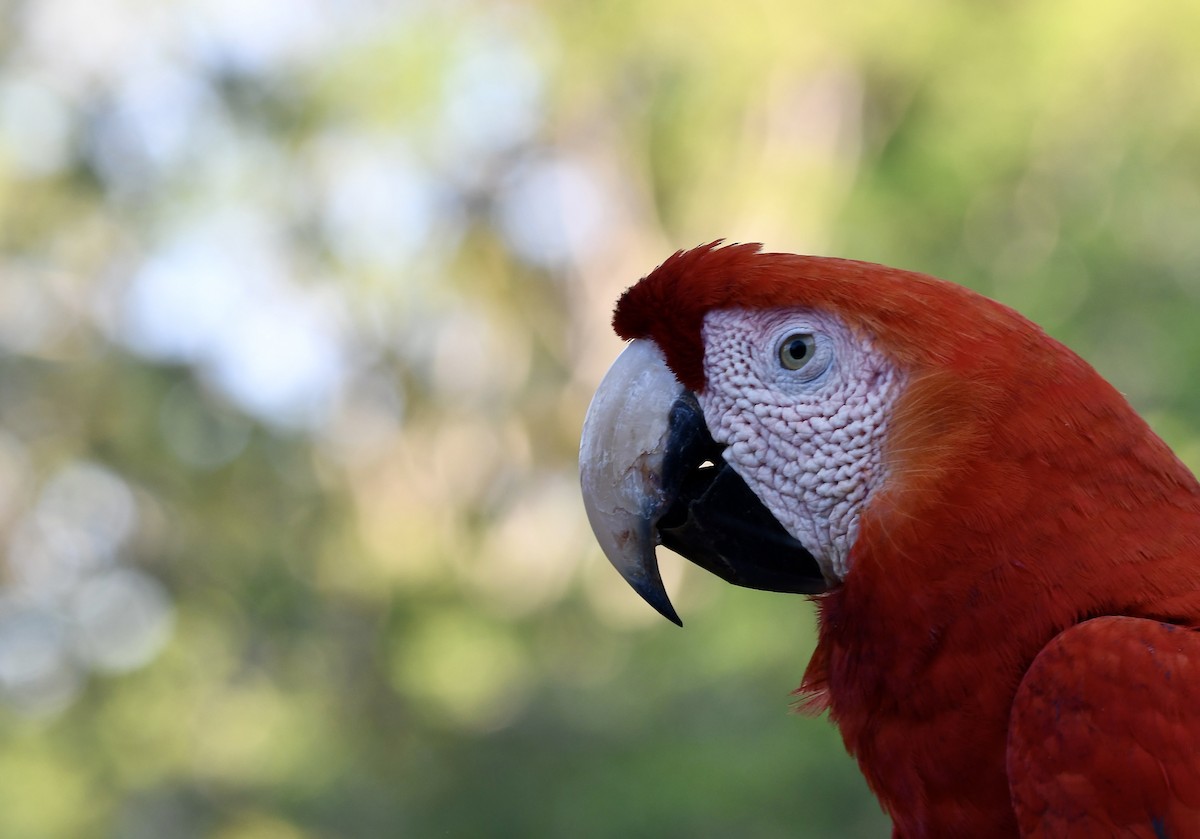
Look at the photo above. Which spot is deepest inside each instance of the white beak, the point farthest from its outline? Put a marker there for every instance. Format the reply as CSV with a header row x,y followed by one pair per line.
x,y
621,457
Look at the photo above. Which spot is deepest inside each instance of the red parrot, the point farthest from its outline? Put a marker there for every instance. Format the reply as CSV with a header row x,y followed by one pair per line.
x,y
1005,559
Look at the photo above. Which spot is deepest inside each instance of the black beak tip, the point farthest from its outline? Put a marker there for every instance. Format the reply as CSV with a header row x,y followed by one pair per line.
x,y
667,611
654,594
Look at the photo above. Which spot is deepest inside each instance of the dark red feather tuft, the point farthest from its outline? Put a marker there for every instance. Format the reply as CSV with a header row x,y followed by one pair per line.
x,y
670,303
905,311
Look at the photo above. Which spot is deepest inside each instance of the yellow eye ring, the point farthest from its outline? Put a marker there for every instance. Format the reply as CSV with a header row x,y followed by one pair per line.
x,y
797,350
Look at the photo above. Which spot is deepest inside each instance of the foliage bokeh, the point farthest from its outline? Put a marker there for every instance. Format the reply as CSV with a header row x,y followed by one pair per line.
x,y
301,305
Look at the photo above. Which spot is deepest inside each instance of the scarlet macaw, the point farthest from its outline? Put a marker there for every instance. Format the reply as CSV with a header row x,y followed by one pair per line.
x,y
1004,557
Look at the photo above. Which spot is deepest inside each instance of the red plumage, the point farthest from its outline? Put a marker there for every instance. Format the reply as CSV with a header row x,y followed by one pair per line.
x,y
1023,499
1104,733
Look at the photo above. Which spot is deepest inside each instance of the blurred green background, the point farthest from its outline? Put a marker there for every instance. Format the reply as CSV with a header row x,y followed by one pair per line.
x,y
301,305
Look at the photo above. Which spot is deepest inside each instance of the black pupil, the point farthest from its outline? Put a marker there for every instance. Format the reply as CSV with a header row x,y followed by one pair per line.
x,y
798,349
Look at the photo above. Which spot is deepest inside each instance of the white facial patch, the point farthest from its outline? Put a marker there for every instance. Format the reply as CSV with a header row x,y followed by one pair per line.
x,y
801,402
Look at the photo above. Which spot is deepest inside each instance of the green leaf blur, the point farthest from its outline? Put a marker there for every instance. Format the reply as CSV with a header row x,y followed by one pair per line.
x,y
301,306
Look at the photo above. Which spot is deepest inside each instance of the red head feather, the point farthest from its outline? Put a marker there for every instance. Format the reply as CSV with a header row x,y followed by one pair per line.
x,y
906,312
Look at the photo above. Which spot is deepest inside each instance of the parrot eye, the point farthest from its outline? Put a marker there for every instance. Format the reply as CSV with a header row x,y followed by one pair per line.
x,y
797,350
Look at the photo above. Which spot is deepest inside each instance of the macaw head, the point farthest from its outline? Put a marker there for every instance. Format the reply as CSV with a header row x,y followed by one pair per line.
x,y
780,419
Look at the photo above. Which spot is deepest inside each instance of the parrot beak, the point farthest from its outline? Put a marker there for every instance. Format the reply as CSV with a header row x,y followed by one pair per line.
x,y
622,455
652,474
